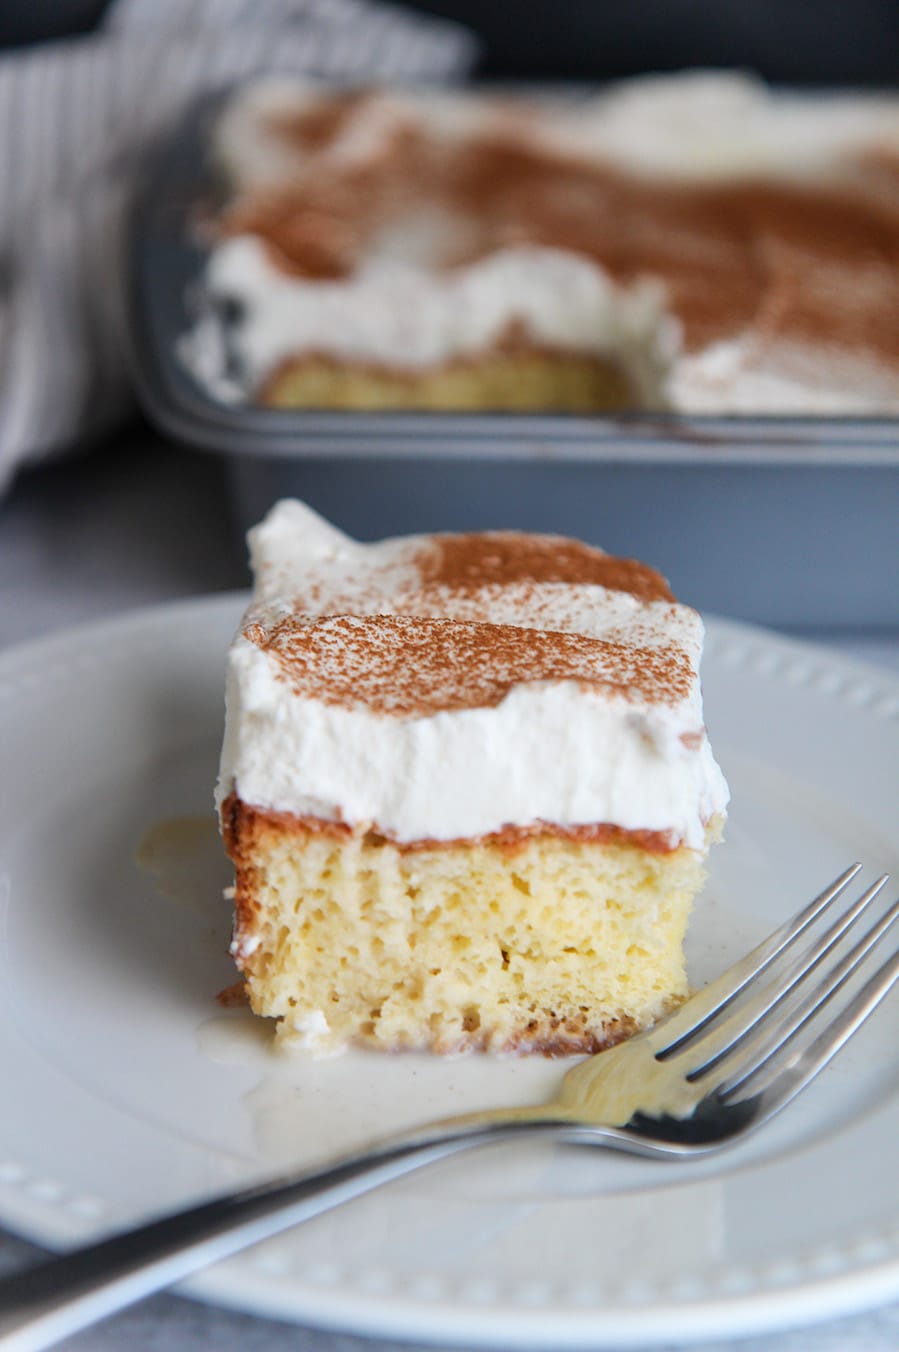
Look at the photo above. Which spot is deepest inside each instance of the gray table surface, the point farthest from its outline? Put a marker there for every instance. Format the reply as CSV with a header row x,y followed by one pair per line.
x,y
140,522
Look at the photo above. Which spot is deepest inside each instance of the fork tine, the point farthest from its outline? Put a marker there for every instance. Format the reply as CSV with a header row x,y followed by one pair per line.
x,y
678,1028
769,1041
722,1040
782,1085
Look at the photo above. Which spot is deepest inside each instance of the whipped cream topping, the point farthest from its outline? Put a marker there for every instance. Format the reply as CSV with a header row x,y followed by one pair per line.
x,y
393,313
783,378
354,694
730,248
694,125
717,126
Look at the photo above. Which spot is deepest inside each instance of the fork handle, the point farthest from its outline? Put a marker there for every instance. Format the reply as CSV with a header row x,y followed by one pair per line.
x,y
58,1297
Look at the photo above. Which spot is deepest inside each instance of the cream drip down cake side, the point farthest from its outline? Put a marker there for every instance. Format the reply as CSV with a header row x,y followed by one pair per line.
x,y
466,787
697,243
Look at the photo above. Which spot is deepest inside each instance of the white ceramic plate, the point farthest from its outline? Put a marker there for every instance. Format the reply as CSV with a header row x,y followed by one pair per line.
x,y
127,1090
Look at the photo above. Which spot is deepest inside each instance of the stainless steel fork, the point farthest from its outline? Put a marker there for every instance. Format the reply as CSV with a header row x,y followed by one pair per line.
x,y
720,1066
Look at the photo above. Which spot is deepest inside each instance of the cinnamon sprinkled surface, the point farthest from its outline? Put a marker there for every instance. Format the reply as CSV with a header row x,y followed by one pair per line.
x,y
317,125
405,666
467,562
809,261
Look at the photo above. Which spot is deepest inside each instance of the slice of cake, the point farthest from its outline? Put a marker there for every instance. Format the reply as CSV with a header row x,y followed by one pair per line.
x,y
466,787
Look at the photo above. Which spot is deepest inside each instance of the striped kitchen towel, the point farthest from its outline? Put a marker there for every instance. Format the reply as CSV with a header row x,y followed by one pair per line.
x,y
77,117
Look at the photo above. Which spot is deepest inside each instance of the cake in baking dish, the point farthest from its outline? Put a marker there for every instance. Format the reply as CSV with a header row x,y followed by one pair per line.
x,y
466,787
696,243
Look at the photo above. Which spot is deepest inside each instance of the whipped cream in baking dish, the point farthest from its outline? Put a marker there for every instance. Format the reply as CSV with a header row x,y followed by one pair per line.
x,y
393,313
693,125
734,249
446,687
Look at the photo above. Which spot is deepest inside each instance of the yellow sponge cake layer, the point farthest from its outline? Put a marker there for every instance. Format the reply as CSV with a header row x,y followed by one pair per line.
x,y
545,942
520,380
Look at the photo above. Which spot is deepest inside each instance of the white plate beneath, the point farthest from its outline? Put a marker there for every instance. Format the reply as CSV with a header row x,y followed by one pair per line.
x,y
126,1090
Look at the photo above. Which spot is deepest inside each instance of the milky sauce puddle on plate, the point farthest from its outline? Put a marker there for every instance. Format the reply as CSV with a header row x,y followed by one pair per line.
x,y
185,858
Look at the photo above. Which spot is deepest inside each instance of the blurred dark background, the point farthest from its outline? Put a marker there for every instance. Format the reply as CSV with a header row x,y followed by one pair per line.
x,y
848,42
